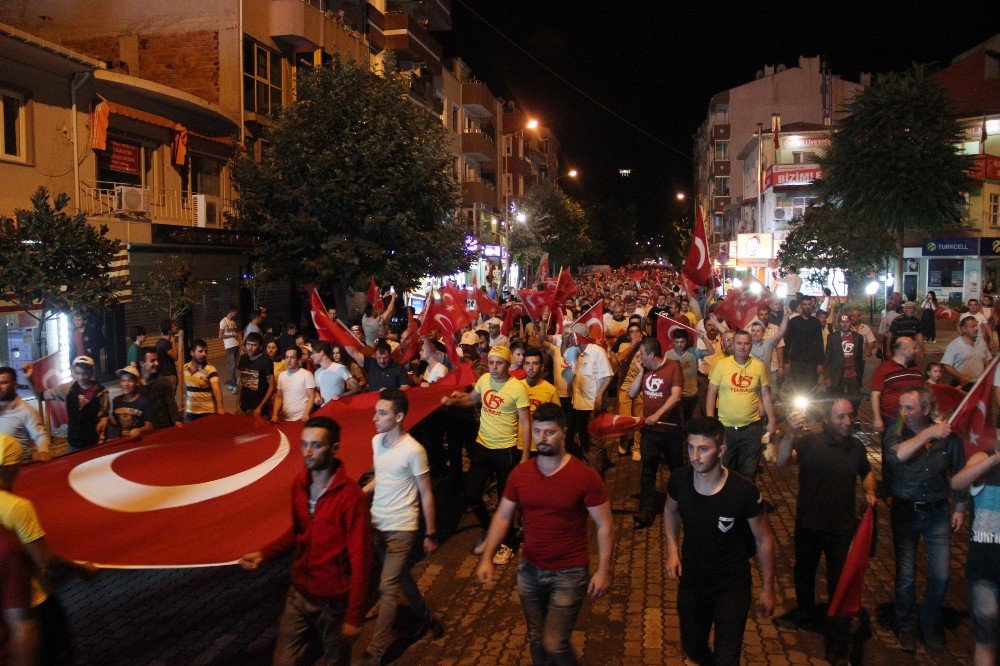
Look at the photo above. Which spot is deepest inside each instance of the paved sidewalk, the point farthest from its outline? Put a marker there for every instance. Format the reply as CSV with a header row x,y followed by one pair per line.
x,y
225,616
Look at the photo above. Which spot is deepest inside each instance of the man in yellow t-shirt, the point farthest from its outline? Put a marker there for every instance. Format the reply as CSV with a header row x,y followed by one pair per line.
x,y
739,392
504,420
539,390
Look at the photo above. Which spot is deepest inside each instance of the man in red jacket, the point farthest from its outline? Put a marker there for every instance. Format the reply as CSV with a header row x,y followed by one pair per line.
x,y
331,536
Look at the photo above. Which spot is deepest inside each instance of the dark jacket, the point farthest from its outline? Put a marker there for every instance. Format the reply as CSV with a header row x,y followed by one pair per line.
x,y
93,343
162,399
833,364
83,418
804,340
333,546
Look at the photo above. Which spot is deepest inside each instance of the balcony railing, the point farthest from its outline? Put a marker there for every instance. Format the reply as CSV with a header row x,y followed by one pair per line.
x,y
478,191
152,204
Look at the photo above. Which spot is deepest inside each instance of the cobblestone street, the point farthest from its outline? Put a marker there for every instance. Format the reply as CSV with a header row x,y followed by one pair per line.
x,y
225,616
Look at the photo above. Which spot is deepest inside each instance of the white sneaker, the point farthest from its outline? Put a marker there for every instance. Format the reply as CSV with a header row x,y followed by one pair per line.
x,y
636,456
503,555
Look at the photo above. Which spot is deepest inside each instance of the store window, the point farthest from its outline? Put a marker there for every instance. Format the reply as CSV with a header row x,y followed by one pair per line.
x,y
12,132
945,273
261,78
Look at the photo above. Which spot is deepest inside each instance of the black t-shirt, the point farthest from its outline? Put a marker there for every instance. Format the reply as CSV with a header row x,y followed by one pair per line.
x,y
903,326
167,366
828,471
392,375
129,415
255,376
718,543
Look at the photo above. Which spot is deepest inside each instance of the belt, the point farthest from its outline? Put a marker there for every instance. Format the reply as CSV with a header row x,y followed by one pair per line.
x,y
932,505
749,425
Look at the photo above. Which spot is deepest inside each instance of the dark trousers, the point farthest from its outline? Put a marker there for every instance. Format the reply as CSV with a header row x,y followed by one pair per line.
x,y
850,388
688,405
460,435
809,546
593,453
655,446
726,606
485,463
56,639
802,377
743,448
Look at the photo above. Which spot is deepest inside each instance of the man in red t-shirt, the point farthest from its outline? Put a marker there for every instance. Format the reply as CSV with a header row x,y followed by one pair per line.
x,y
660,381
891,379
19,631
556,493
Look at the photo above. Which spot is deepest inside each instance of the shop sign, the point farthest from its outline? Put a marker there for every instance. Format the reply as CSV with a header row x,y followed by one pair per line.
x,y
796,141
491,250
791,174
950,247
174,234
989,247
754,250
121,156
985,167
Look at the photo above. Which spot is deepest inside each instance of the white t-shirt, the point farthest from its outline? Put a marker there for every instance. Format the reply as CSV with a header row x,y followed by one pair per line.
x,y
431,375
228,327
294,393
332,381
592,367
395,506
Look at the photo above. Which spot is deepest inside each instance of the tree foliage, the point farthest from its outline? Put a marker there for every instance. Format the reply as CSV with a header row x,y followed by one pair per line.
x,y
171,289
355,181
557,223
893,164
55,262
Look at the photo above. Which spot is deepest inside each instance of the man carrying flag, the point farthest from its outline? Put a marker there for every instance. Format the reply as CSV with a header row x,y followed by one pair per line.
x,y
830,463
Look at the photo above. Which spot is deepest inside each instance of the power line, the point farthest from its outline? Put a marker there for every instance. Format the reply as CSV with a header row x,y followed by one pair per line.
x,y
579,91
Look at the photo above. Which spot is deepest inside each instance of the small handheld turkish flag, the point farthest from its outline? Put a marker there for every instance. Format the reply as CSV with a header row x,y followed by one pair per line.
x,y
374,297
974,418
698,267
665,327
740,306
593,319
330,330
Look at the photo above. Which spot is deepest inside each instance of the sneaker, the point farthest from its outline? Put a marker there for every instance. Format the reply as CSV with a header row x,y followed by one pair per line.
x,y
480,544
622,451
503,555
908,641
636,456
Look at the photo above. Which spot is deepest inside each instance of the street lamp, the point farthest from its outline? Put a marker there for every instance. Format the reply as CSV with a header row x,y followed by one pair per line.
x,y
532,124
681,196
871,290
572,173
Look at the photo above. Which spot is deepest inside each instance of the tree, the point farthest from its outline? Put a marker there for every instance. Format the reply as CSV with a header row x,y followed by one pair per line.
x,y
52,262
257,282
355,181
893,163
171,289
558,224
822,242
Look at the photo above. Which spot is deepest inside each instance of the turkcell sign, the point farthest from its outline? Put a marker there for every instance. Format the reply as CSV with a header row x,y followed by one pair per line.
x,y
950,247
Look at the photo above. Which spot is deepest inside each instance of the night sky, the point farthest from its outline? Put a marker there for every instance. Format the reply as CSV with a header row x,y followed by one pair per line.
x,y
658,62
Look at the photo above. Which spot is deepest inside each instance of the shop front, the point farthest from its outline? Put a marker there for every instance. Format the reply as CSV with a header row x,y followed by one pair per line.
x,y
955,269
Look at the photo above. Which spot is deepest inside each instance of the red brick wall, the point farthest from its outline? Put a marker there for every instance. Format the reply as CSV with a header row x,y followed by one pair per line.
x,y
101,48
186,61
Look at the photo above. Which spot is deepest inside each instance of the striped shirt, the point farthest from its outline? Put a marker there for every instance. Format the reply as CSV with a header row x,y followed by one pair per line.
x,y
198,389
892,379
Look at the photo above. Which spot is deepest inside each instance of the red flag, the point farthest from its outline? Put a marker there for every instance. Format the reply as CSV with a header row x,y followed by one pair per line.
x,y
330,330
846,600
512,311
974,419
453,302
484,303
374,297
776,129
536,304
948,398
944,312
593,319
607,425
698,267
543,267
436,317
49,372
638,274
409,344
566,286
740,306
665,327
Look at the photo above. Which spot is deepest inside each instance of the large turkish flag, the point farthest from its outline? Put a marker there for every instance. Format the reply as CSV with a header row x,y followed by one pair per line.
x,y
698,267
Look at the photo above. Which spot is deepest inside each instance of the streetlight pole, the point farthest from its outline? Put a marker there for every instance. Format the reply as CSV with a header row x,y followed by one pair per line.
x,y
531,124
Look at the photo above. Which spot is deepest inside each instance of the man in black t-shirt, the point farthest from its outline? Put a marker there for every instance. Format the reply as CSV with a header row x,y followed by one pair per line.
x,y
907,325
166,352
381,370
256,372
724,525
830,463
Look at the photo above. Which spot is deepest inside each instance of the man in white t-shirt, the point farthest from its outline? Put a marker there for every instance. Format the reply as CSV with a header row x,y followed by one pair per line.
x,y
592,376
865,330
229,335
296,390
401,487
333,380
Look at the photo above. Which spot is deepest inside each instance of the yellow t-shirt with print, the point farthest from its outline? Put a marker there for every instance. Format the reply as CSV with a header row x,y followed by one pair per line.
x,y
498,423
18,515
739,390
539,394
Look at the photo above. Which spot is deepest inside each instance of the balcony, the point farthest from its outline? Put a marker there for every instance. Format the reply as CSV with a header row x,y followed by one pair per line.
x,y
104,199
478,101
297,23
479,146
437,13
402,33
478,192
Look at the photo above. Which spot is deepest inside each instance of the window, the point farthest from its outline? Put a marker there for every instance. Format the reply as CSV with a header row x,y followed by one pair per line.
x,y
454,117
804,158
799,205
722,186
261,79
719,222
722,150
994,210
12,130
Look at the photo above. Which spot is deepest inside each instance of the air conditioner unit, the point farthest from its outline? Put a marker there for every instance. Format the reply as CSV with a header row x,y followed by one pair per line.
x,y
783,214
200,212
131,199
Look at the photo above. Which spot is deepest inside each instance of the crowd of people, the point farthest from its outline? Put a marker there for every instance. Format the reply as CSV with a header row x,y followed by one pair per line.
x,y
717,399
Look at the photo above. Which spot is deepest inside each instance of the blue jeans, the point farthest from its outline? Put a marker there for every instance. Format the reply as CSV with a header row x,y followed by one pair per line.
x,y
551,601
908,526
395,554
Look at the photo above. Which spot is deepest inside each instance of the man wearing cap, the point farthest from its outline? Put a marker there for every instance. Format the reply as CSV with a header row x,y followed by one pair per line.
x,y
907,325
504,421
19,419
845,362
496,337
88,404
18,515
592,375
130,411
